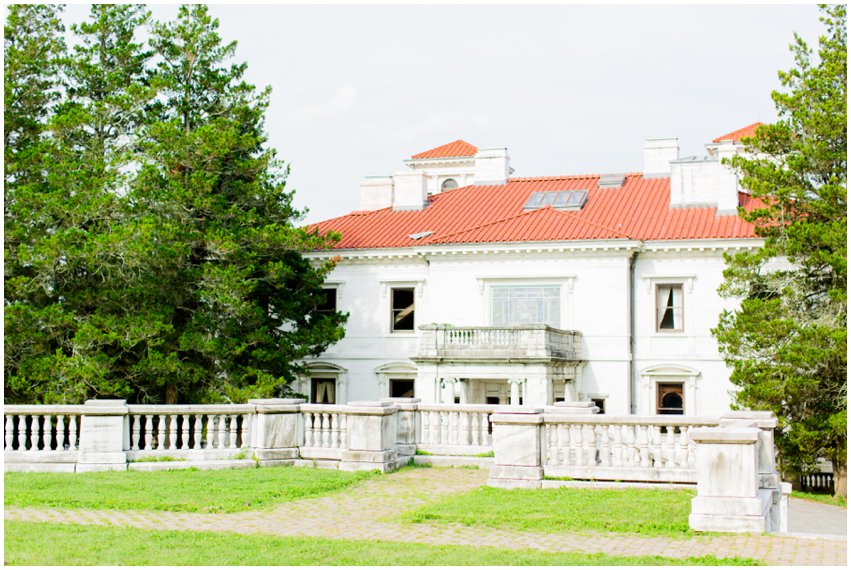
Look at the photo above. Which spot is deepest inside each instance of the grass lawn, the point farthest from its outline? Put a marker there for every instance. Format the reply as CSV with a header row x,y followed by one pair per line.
x,y
95,545
650,512
821,498
190,490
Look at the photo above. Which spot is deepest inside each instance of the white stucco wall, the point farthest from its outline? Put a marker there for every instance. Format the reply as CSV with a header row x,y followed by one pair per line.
x,y
453,287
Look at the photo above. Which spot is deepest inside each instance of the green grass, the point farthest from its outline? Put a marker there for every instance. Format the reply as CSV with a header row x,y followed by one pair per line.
x,y
189,490
821,498
649,512
113,546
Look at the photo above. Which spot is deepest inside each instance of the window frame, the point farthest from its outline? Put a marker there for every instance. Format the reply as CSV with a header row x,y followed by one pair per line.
x,y
664,388
333,295
413,290
657,321
558,297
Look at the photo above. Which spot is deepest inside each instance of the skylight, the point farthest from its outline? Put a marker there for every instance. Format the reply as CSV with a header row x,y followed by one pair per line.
x,y
421,235
559,200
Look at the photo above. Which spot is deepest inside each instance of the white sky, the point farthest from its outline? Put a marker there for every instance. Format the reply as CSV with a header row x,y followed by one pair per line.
x,y
569,89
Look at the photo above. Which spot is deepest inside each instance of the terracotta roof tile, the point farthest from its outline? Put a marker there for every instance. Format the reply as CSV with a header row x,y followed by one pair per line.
x,y
455,148
739,134
494,213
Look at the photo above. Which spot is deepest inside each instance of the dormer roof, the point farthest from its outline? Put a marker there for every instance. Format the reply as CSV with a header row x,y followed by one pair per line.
x,y
738,134
454,149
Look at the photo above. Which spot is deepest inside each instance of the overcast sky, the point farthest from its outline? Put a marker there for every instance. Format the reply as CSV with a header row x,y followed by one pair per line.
x,y
567,89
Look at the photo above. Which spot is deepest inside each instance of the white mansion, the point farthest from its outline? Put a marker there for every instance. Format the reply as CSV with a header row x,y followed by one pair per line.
x,y
466,285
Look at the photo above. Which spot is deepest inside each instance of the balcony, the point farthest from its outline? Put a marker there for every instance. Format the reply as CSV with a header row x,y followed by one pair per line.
x,y
534,342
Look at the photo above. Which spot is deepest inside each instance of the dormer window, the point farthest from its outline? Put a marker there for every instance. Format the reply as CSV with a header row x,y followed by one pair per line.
x,y
449,184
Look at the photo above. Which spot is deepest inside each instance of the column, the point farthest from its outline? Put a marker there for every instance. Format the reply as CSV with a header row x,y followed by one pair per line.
x,y
514,386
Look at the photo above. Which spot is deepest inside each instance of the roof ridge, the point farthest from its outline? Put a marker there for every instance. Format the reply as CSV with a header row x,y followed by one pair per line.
x,y
473,228
592,223
566,176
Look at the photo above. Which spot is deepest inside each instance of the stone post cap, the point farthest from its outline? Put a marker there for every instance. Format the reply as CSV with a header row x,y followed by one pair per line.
x,y
515,415
574,408
383,403
375,408
763,419
743,434
105,407
276,405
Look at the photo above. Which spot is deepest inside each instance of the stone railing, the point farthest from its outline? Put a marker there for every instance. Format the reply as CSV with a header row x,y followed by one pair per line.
x,y
41,437
624,448
730,459
488,342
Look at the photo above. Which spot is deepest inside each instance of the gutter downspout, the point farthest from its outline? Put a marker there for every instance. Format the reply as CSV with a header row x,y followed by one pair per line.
x,y
631,383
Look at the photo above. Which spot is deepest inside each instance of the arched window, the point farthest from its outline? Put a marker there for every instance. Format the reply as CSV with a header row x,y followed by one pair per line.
x,y
449,184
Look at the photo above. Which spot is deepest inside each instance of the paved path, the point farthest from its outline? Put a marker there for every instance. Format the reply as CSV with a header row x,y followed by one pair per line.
x,y
811,518
370,510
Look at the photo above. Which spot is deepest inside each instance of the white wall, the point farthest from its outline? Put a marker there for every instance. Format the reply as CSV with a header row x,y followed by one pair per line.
x,y
455,289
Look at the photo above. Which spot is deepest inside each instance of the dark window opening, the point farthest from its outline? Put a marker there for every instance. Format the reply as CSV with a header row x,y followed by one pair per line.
x,y
323,390
402,302
329,303
669,399
492,400
600,403
401,388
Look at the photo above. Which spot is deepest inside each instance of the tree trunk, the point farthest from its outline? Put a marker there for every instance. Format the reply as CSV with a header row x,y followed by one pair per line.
x,y
840,480
170,394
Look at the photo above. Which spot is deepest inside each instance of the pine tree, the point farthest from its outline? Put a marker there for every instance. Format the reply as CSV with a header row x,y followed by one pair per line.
x,y
787,342
238,299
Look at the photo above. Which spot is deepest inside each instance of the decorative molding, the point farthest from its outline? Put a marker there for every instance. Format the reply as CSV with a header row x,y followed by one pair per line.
x,y
687,279
417,284
566,280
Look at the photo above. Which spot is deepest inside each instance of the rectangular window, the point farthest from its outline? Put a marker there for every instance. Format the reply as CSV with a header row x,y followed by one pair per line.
x,y
402,309
400,388
600,403
323,390
669,399
525,305
329,304
669,308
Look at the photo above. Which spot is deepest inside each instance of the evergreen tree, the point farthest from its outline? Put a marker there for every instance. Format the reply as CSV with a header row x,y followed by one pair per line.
x,y
787,342
237,300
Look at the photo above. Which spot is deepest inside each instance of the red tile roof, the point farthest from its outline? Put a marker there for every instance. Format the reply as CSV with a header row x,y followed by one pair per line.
x,y
487,214
453,149
738,135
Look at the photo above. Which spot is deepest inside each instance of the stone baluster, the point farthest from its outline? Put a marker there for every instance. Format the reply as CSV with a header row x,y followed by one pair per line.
x,y
232,433
184,431
326,433
616,459
575,455
466,428
643,446
10,430
161,432
60,432
657,447
198,433
308,429
475,420
563,435
172,431
45,433
590,445
149,431
682,448
33,430
425,431
344,420
444,428
486,422
435,427
222,431
135,428
211,431
72,432
670,447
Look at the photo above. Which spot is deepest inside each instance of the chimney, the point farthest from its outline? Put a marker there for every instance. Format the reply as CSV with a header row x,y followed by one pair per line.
x,y
658,154
491,166
706,182
376,192
410,190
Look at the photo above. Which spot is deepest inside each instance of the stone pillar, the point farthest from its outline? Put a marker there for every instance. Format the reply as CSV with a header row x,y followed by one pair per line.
x,y
729,498
407,425
517,445
514,384
372,437
277,431
767,473
104,436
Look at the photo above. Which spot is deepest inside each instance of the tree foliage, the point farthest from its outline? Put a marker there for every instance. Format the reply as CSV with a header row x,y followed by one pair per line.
x,y
787,341
155,258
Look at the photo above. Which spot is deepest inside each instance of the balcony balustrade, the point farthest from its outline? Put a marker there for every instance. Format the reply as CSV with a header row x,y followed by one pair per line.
x,y
529,341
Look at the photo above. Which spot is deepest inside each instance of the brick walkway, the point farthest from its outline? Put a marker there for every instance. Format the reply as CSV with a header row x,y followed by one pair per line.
x,y
371,509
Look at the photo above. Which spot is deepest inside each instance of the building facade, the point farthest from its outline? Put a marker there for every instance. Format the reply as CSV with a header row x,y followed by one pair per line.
x,y
466,285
